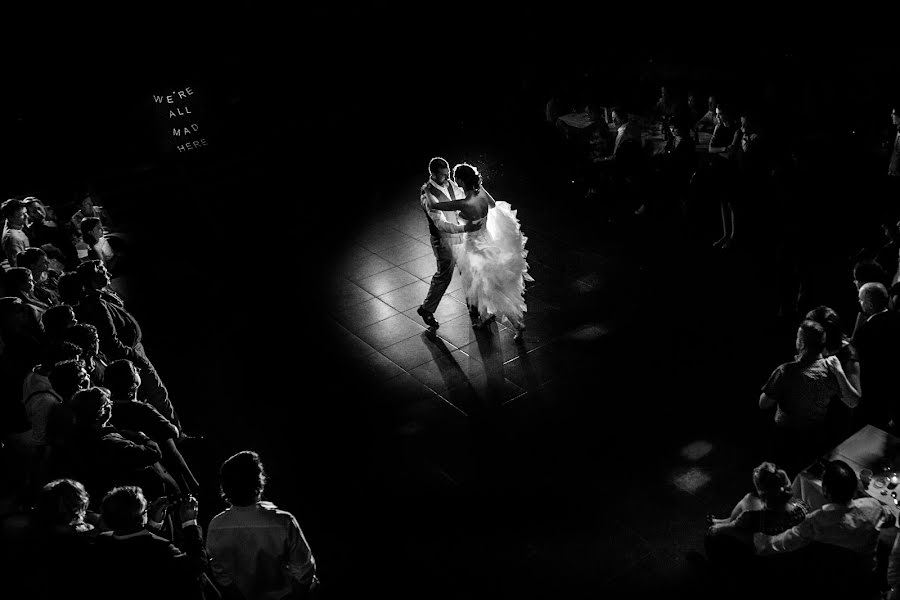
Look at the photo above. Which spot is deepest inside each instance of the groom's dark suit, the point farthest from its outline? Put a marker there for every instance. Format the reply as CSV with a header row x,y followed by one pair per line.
x,y
445,232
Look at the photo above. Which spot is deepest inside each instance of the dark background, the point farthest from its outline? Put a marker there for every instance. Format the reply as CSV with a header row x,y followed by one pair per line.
x,y
312,124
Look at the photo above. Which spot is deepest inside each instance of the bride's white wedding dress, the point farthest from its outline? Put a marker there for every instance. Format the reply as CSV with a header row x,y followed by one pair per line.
x,y
492,264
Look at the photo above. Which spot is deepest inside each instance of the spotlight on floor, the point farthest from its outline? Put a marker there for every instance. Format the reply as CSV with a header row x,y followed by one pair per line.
x,y
696,450
691,480
588,333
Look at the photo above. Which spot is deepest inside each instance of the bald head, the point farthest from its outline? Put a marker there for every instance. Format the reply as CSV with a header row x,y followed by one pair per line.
x,y
873,298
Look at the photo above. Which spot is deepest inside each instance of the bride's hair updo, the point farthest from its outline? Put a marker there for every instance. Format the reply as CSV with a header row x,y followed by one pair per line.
x,y
467,176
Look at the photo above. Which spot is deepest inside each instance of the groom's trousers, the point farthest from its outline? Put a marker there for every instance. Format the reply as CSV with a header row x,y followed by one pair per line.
x,y
443,253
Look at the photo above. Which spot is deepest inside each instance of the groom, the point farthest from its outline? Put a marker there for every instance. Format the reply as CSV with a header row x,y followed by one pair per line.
x,y
445,232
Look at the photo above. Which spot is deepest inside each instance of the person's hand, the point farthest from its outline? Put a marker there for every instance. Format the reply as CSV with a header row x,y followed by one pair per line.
x,y
188,509
834,364
473,226
156,510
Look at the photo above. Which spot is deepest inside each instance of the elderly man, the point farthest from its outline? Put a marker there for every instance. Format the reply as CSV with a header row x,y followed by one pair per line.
x,y
877,342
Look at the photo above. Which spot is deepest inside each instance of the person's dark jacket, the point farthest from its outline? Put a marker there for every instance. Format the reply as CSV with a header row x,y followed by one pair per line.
x,y
106,457
147,566
117,329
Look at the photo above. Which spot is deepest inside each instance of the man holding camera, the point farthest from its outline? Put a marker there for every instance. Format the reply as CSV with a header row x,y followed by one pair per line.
x,y
138,563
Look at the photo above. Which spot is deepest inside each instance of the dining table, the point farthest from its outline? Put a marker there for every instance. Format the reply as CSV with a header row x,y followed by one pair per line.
x,y
869,448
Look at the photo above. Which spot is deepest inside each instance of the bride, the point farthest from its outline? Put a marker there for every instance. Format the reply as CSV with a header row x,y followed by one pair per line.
x,y
491,260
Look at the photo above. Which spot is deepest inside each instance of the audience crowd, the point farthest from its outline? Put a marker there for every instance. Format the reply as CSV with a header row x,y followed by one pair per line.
x,y
99,499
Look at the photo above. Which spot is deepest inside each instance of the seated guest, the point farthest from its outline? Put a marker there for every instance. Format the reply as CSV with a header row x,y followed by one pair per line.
x,y
35,260
43,230
665,106
87,208
839,418
877,341
845,523
708,121
14,239
120,334
122,379
56,320
801,390
67,378
771,510
103,456
70,288
38,395
255,549
100,246
20,335
60,535
20,284
84,335
137,561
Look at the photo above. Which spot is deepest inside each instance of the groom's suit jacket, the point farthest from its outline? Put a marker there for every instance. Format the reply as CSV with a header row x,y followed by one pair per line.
x,y
443,224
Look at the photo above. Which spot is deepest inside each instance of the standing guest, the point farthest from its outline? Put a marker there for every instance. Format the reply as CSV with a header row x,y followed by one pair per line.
x,y
801,391
877,340
257,551
20,284
839,418
721,147
894,164
130,414
84,335
120,334
14,239
140,564
35,260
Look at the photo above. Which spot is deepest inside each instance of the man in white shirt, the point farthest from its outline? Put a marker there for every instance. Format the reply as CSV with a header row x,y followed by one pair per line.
x,y
894,165
846,522
255,549
445,232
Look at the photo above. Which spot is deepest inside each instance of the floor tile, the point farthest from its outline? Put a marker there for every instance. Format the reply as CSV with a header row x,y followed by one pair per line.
x,y
407,298
364,267
390,331
532,370
448,371
379,367
386,281
422,267
351,347
416,350
360,316
382,239
406,252
345,293
404,391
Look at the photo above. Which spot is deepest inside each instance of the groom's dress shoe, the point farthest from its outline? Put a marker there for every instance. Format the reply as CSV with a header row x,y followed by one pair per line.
x,y
427,317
